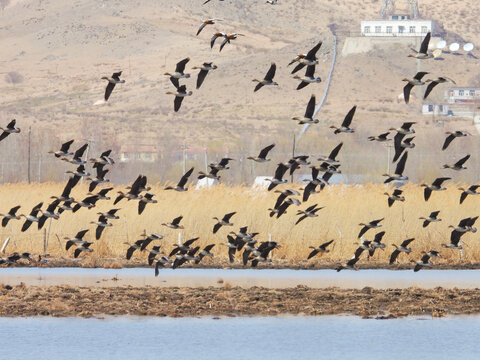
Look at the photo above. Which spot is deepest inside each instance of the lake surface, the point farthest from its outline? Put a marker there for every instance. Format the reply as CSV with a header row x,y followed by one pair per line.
x,y
329,337
270,278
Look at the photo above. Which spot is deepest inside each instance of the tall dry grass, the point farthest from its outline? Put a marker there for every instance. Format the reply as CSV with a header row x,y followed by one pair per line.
x,y
345,208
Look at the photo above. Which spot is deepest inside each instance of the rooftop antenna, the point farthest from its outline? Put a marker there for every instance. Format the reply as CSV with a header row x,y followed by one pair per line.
x,y
388,6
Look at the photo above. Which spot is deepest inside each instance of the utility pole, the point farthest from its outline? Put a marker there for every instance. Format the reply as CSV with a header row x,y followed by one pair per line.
x,y
29,152
206,159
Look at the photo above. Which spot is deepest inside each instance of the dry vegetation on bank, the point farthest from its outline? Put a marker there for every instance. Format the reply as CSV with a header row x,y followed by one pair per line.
x,y
345,208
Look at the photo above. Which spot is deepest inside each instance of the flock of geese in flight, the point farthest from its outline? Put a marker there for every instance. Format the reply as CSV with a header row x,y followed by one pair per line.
x,y
242,241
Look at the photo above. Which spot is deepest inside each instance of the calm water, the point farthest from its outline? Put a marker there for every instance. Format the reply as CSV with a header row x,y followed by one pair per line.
x,y
332,337
381,279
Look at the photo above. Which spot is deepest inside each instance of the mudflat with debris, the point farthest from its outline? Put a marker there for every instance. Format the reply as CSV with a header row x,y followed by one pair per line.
x,y
65,301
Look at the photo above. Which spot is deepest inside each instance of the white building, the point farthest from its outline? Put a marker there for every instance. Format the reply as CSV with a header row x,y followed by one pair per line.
x,y
435,109
397,25
462,95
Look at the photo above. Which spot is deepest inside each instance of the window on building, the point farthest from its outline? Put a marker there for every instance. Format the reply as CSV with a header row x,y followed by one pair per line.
x,y
472,93
389,29
366,29
412,29
378,29
424,30
430,108
401,29
461,93
440,108
394,17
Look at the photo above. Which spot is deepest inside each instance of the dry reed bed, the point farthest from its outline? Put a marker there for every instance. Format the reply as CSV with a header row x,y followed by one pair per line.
x,y
345,207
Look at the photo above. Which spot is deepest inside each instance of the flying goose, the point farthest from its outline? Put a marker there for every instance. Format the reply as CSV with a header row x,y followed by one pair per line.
x,y
77,239
277,178
80,172
308,117
296,161
175,224
146,199
11,215
66,190
309,77
182,247
436,186
425,260
312,184
331,159
149,239
350,264
435,82
380,138
110,214
10,129
452,135
102,194
280,209
66,206
416,81
162,262
63,150
423,52
232,247
205,252
431,218
398,175
283,195
464,226
309,59
364,246
179,95
77,156
458,165
225,221
83,247
99,179
183,257
268,79
104,159
152,254
227,38
308,212
402,248
88,202
49,213
132,247
376,243
345,127
32,217
112,81
215,36
262,156
102,223
321,249
221,165
371,225
211,175
207,22
204,69
134,191
455,242
401,146
181,184
396,196
179,72
472,190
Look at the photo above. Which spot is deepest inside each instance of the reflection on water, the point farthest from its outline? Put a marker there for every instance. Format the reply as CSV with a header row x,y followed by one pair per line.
x,y
271,278
332,337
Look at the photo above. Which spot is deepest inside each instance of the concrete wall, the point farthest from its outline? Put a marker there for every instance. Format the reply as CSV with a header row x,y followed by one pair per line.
x,y
363,44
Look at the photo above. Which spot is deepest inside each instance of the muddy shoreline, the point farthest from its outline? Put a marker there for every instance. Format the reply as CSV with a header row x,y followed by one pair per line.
x,y
68,301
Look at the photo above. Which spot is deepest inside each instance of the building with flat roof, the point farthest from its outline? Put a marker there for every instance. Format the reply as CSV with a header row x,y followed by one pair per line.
x,y
397,25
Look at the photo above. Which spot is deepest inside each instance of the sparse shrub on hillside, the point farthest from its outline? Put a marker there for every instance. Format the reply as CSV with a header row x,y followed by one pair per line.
x,y
13,77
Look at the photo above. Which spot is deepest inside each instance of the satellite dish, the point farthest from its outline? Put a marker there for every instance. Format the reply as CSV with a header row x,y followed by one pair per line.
x,y
431,46
454,46
468,47
441,44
